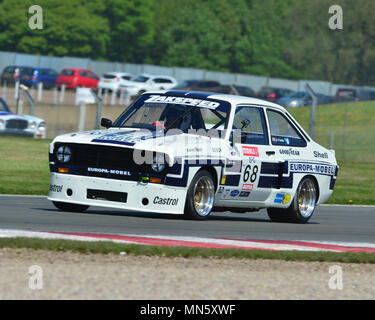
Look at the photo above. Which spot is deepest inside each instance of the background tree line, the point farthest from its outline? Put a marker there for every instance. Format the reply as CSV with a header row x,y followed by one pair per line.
x,y
278,38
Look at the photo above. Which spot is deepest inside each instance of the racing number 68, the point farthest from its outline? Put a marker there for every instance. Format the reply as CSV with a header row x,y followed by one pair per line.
x,y
252,176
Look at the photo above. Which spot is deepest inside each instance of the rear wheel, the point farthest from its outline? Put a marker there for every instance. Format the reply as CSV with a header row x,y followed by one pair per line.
x,y
70,207
302,206
200,196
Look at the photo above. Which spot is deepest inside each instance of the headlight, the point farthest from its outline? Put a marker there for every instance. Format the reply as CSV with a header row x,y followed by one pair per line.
x,y
158,164
64,154
42,126
2,122
32,125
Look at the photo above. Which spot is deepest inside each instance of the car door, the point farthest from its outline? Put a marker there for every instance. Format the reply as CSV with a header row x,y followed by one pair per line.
x,y
250,143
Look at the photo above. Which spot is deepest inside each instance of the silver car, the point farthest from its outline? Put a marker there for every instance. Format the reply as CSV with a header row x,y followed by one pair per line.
x,y
20,125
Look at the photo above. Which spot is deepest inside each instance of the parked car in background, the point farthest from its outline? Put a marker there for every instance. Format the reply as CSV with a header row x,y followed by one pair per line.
x,y
303,98
46,76
237,90
146,82
77,77
354,94
30,76
113,80
20,125
199,85
272,94
11,73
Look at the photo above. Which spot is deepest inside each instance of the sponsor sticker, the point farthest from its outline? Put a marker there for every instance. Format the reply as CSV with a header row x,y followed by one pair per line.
x,y
289,152
244,193
317,168
247,186
250,151
55,188
183,101
234,193
322,155
165,201
225,194
282,198
110,171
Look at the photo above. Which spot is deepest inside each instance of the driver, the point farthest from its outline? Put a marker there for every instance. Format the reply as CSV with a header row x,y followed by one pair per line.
x,y
174,119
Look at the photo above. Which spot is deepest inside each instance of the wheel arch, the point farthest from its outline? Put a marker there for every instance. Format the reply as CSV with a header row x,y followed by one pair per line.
x,y
213,173
316,185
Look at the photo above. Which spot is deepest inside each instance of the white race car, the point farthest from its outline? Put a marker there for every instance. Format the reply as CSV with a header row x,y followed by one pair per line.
x,y
192,153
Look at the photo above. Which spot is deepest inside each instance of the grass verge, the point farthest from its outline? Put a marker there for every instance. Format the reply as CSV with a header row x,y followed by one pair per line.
x,y
106,247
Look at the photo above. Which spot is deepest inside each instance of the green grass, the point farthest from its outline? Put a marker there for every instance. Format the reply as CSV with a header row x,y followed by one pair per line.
x,y
104,247
351,124
24,166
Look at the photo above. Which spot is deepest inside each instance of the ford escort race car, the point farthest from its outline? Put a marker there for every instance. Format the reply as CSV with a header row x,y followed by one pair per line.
x,y
193,153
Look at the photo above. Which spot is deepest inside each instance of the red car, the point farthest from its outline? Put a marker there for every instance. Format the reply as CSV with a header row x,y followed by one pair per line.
x,y
76,77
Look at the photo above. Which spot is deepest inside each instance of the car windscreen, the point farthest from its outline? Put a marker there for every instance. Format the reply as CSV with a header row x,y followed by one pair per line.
x,y
162,112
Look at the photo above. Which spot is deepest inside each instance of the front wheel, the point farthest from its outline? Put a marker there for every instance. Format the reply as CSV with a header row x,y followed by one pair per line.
x,y
200,196
70,207
302,206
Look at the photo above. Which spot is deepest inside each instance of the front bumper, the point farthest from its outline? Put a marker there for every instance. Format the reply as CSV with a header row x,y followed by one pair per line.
x,y
160,198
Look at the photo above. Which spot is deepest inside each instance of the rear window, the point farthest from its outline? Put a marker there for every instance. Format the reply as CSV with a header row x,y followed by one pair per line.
x,y
109,76
67,72
10,69
27,71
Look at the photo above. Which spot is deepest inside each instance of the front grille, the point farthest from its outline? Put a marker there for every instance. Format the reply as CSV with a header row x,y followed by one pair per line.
x,y
103,157
16,124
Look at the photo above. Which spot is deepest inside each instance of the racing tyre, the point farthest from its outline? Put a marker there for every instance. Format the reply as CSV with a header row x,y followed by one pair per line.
x,y
302,206
200,196
70,207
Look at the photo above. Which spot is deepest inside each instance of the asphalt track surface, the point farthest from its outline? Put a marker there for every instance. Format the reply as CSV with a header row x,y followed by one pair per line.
x,y
329,223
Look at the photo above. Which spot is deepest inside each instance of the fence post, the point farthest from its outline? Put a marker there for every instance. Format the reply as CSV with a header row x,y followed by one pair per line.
x,y
82,116
17,96
62,93
40,91
4,93
313,107
55,95
98,109
332,140
114,95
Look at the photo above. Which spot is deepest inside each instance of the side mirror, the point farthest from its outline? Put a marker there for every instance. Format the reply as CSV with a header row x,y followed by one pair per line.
x,y
106,123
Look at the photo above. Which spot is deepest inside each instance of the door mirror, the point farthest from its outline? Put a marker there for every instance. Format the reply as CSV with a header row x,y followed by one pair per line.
x,y
106,123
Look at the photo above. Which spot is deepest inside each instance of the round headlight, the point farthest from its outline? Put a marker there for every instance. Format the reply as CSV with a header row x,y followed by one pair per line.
x,y
158,164
42,126
32,125
64,154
